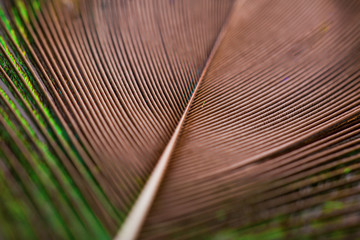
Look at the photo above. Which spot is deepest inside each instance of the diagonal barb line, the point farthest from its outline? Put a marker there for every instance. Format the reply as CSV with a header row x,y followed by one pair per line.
x,y
133,223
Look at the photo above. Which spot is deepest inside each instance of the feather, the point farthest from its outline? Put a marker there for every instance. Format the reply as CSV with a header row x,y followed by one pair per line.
x,y
179,119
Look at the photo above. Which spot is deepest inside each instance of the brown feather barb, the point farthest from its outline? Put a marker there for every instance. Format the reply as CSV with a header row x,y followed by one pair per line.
x,y
179,119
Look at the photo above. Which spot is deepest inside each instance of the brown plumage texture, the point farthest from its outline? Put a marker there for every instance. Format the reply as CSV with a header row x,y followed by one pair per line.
x,y
269,148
